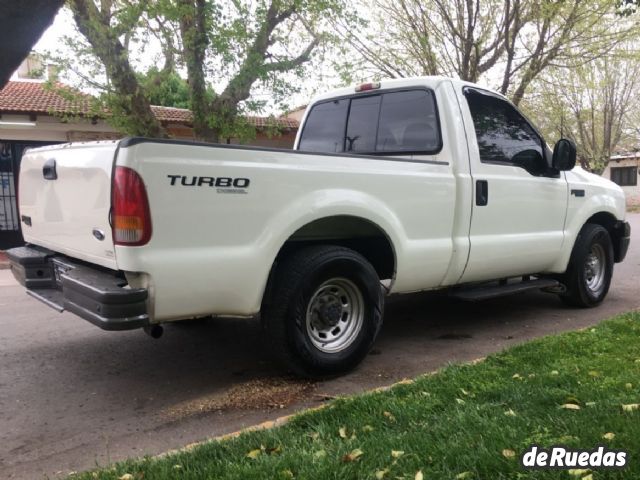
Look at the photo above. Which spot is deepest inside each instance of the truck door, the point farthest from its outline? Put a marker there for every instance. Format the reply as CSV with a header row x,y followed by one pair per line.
x,y
519,203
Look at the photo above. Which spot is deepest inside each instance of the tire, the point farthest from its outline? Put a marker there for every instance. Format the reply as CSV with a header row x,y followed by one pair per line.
x,y
588,275
324,310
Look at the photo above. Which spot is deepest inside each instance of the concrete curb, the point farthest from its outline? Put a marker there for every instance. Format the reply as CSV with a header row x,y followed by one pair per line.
x,y
278,422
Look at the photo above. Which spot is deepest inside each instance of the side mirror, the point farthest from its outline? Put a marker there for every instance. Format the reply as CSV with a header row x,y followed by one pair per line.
x,y
564,155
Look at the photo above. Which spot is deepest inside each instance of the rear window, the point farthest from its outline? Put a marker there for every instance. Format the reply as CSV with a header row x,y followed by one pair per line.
x,y
387,123
327,122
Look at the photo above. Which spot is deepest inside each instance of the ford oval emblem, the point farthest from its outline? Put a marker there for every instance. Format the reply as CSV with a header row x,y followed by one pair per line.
x,y
99,234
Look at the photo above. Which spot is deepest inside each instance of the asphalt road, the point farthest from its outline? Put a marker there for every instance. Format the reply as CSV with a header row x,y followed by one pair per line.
x,y
73,396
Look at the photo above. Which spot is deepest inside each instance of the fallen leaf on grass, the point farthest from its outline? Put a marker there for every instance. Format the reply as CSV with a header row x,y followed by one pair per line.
x,y
390,416
177,467
253,454
570,406
397,453
464,475
555,372
630,407
287,473
275,450
126,476
517,376
419,475
628,386
508,453
353,455
460,401
588,477
510,413
343,432
609,436
578,472
380,474
320,454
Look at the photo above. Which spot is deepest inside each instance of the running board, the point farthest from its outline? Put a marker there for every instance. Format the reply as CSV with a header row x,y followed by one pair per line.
x,y
483,292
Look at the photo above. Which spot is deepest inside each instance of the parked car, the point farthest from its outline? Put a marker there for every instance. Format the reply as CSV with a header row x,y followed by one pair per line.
x,y
392,187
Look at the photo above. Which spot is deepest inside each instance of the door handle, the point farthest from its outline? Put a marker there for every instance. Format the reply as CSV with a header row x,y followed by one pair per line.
x,y
482,193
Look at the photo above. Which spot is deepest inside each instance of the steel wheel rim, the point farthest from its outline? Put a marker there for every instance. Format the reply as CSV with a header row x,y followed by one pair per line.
x,y
594,269
335,315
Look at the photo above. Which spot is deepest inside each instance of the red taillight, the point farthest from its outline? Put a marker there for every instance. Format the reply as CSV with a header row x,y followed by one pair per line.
x,y
131,219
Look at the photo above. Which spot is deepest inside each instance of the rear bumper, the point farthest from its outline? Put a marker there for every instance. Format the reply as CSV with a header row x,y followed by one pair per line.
x,y
92,293
621,238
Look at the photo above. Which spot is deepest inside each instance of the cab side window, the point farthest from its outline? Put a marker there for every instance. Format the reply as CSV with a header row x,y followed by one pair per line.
x,y
504,135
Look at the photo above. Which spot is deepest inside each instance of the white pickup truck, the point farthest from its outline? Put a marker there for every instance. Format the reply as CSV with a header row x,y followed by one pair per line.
x,y
392,187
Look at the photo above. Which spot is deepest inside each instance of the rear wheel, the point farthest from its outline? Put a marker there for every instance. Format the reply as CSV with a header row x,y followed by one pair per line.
x,y
324,310
588,276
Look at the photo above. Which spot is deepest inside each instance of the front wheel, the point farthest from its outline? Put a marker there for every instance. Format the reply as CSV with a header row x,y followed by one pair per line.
x,y
324,310
588,276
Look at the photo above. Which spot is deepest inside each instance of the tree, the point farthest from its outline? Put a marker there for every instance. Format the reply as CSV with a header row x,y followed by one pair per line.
x,y
592,104
226,49
510,40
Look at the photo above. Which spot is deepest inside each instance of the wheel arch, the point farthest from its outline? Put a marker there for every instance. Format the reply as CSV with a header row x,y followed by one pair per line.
x,y
603,216
360,234
608,221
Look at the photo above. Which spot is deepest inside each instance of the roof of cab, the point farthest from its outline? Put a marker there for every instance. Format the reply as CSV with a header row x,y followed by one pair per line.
x,y
430,82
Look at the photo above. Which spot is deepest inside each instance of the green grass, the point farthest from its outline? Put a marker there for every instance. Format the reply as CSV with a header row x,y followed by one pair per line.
x,y
458,420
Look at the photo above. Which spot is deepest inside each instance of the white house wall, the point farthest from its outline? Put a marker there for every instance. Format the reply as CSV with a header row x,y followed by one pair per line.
x,y
632,193
51,129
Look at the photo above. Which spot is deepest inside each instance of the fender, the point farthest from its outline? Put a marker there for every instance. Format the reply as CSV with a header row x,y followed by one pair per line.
x,y
330,203
602,202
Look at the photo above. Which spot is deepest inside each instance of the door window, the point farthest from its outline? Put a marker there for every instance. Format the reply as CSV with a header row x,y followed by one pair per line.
x,y
504,136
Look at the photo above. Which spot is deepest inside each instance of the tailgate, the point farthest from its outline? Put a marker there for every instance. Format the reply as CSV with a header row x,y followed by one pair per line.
x,y
65,198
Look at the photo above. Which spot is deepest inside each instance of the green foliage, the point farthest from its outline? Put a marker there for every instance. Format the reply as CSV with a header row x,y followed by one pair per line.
x,y
163,88
224,59
577,389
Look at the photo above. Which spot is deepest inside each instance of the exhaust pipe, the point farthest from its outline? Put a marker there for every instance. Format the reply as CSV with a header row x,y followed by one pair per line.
x,y
154,331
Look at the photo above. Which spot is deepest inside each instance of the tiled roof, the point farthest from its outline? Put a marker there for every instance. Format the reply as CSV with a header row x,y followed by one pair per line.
x,y
183,115
33,97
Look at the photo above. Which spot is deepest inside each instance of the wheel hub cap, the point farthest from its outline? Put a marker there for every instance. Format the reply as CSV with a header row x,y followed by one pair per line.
x,y
594,269
335,315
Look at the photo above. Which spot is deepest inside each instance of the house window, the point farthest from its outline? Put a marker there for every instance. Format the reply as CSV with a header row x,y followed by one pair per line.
x,y
625,176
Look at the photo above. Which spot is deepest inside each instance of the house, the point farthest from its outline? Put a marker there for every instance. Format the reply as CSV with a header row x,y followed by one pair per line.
x,y
297,113
31,114
624,169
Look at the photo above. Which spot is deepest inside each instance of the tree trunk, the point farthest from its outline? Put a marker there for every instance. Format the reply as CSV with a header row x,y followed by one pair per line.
x,y
109,49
